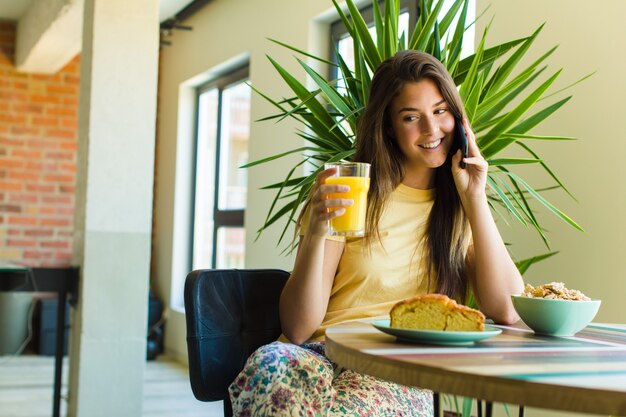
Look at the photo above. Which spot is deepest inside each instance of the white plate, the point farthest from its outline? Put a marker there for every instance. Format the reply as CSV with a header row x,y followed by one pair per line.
x,y
436,337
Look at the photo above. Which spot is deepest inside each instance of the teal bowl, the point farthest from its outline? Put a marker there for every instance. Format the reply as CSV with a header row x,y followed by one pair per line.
x,y
555,317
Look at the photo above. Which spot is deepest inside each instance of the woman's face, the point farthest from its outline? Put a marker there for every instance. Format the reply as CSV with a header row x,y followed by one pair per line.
x,y
423,124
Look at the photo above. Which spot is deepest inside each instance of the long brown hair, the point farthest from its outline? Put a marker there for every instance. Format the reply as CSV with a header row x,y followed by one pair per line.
x,y
447,225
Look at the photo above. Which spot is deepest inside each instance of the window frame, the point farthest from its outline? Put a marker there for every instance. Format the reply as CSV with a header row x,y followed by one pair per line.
x,y
338,28
221,218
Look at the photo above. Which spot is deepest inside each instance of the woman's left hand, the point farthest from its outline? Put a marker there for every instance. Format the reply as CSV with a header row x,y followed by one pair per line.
x,y
471,181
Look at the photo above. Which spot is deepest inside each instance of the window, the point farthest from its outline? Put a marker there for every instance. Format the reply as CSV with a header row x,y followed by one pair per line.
x,y
342,41
409,11
223,131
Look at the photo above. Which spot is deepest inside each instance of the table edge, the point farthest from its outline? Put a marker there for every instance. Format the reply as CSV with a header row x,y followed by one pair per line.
x,y
491,388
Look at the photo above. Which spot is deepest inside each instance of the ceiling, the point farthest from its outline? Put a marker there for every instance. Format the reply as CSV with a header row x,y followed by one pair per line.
x,y
14,9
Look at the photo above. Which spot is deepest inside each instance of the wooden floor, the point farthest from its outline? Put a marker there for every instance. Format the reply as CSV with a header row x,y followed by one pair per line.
x,y
26,389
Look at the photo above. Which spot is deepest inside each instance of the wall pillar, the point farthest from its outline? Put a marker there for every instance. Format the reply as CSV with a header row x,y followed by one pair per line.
x,y
119,65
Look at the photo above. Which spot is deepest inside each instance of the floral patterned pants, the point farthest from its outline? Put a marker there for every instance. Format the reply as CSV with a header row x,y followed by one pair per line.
x,y
282,379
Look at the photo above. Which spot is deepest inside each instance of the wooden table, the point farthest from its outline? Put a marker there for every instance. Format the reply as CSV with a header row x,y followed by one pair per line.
x,y
63,281
585,373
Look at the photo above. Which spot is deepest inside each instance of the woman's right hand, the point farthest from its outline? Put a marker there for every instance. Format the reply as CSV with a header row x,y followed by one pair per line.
x,y
305,297
324,205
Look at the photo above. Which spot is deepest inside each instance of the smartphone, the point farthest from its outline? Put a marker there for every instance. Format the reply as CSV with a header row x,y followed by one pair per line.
x,y
460,139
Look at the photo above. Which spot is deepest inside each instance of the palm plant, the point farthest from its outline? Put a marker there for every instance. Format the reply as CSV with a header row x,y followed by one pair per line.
x,y
501,98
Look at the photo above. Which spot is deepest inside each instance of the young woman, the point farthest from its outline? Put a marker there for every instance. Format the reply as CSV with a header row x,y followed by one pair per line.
x,y
428,229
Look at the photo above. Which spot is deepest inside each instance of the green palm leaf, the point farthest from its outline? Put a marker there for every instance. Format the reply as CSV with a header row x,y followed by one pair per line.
x,y
489,56
513,161
538,117
529,211
505,200
452,12
545,202
538,137
457,40
487,140
303,94
525,74
334,98
300,51
270,219
505,69
287,183
546,168
523,265
370,52
420,38
280,155
471,103
472,73
353,85
518,199
490,107
381,38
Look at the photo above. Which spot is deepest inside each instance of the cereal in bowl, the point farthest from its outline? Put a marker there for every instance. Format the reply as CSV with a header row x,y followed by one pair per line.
x,y
553,291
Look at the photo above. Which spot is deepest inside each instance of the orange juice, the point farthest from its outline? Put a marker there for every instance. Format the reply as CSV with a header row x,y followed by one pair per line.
x,y
352,222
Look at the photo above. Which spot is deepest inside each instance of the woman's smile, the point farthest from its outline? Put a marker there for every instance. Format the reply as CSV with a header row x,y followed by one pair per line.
x,y
431,145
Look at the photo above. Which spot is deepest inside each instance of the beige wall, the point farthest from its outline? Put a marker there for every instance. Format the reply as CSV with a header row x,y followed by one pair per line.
x,y
591,38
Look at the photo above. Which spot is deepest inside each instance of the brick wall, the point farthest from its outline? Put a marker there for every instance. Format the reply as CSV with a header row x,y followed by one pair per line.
x,y
38,132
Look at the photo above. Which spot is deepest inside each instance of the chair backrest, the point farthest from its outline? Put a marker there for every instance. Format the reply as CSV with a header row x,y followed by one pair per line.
x,y
229,313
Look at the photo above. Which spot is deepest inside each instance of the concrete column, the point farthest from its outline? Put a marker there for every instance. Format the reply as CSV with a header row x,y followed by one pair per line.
x,y
119,65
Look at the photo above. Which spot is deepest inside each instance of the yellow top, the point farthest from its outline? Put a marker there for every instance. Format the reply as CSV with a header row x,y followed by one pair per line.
x,y
368,283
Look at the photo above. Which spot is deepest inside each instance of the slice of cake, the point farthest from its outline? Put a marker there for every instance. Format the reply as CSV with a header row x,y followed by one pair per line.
x,y
436,312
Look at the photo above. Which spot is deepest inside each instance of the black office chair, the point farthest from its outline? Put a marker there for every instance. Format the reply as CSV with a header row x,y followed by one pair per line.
x,y
230,313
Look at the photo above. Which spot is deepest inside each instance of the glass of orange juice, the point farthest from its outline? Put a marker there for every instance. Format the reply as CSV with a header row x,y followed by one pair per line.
x,y
355,175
